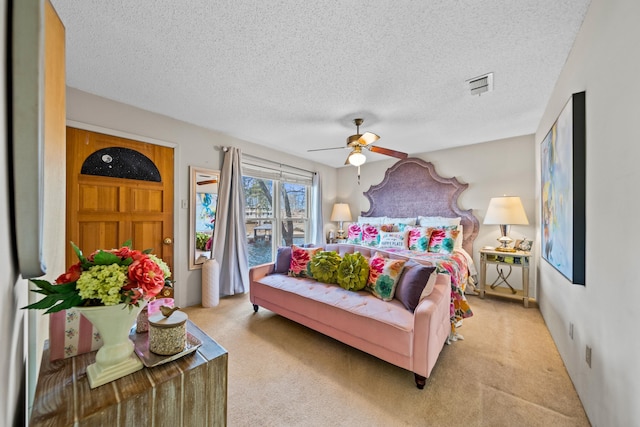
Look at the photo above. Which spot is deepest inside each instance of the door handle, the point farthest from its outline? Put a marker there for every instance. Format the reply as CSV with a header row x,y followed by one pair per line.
x,y
167,241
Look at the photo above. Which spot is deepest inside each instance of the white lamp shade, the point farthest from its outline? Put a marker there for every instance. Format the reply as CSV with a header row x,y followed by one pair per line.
x,y
357,158
505,210
341,212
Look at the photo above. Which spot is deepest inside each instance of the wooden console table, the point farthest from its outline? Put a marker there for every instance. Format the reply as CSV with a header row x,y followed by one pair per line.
x,y
190,391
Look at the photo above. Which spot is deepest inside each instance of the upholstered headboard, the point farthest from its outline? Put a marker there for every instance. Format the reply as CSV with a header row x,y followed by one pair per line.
x,y
411,187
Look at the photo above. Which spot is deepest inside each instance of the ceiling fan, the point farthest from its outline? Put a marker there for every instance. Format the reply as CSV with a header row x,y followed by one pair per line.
x,y
359,141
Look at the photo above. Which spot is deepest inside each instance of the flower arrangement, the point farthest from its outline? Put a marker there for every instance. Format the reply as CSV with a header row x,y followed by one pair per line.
x,y
106,277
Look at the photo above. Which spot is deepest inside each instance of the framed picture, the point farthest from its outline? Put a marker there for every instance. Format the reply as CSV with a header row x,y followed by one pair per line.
x,y
524,245
563,154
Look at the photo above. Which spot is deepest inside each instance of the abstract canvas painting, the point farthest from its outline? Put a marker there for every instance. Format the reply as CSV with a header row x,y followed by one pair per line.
x,y
563,191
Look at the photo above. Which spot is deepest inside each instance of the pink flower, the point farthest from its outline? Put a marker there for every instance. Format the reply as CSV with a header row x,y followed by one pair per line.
x,y
354,231
376,265
147,275
124,252
414,235
369,233
437,236
299,260
71,275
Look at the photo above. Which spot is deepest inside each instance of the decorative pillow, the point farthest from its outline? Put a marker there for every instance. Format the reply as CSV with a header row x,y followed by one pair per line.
x,y
374,220
300,257
438,221
418,238
370,235
442,240
412,283
394,239
431,283
383,276
353,272
354,234
324,266
283,260
388,227
459,239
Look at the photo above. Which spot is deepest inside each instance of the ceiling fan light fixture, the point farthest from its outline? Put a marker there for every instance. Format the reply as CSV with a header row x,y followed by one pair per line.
x,y
356,158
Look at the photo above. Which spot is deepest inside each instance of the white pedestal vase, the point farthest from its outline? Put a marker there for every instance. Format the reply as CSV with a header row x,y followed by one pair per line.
x,y
115,359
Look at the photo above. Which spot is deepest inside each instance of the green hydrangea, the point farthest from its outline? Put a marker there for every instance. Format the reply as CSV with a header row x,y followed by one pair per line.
x,y
163,265
103,282
324,266
353,272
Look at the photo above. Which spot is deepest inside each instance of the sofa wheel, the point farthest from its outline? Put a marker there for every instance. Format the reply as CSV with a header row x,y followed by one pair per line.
x,y
255,308
420,381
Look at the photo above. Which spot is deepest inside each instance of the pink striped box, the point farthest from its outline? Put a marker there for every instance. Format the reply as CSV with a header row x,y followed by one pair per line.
x,y
70,333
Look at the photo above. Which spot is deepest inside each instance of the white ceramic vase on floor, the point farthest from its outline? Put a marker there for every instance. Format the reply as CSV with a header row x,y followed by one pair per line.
x,y
115,358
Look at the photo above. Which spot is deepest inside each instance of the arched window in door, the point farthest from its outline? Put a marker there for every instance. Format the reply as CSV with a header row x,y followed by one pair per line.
x,y
120,162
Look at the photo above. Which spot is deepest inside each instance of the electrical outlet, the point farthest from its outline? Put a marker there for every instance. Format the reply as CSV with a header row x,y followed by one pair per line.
x,y
588,356
571,330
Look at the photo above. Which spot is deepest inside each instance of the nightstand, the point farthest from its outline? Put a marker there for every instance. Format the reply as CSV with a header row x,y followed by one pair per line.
x,y
501,286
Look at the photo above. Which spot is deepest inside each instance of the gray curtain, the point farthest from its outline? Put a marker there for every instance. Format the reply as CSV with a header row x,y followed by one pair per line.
x,y
317,220
230,236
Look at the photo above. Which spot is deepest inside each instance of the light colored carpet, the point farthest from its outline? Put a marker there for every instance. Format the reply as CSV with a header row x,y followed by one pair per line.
x,y
506,372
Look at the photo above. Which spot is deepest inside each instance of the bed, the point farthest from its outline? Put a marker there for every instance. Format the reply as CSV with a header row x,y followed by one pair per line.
x,y
411,188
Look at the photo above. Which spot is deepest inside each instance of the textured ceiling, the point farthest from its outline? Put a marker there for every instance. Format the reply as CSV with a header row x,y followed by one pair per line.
x,y
293,75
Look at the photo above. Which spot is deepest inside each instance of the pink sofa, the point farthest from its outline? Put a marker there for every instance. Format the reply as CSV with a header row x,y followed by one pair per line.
x,y
386,330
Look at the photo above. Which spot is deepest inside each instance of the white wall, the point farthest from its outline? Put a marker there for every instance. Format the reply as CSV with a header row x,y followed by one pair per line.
x,y
491,169
12,290
194,146
605,63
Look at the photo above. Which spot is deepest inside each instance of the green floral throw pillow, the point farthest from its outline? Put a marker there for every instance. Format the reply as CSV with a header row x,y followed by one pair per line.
x,y
353,272
324,266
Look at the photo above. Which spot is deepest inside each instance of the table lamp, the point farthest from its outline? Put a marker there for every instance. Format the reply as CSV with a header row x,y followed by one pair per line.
x,y
341,213
505,211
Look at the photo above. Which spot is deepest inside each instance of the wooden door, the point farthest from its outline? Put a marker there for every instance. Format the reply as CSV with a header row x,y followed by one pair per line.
x,y
118,189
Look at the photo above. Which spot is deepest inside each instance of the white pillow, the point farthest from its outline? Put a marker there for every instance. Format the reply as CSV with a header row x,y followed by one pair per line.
x,y
457,245
406,221
393,239
438,221
373,220
431,284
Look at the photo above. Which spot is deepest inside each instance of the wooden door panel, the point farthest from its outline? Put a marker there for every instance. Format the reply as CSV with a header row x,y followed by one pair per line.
x,y
143,201
98,235
93,198
145,234
104,211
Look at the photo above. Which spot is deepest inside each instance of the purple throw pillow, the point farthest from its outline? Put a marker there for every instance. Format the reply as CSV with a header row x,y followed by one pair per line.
x,y
283,259
411,284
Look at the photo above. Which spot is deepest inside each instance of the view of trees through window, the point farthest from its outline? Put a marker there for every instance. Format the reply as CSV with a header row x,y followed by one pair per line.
x,y
291,216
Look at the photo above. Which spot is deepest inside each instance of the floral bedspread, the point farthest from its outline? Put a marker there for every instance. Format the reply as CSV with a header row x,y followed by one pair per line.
x,y
456,265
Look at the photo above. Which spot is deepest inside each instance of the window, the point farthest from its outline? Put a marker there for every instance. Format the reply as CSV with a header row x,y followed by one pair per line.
x,y
276,208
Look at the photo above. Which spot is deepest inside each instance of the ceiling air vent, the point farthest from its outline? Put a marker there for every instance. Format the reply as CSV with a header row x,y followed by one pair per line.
x,y
481,84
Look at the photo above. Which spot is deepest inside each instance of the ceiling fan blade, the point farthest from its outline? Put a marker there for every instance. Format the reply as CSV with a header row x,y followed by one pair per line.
x,y
324,149
388,152
208,181
368,138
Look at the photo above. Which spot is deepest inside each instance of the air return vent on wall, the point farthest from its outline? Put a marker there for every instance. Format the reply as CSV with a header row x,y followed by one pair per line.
x,y
481,84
